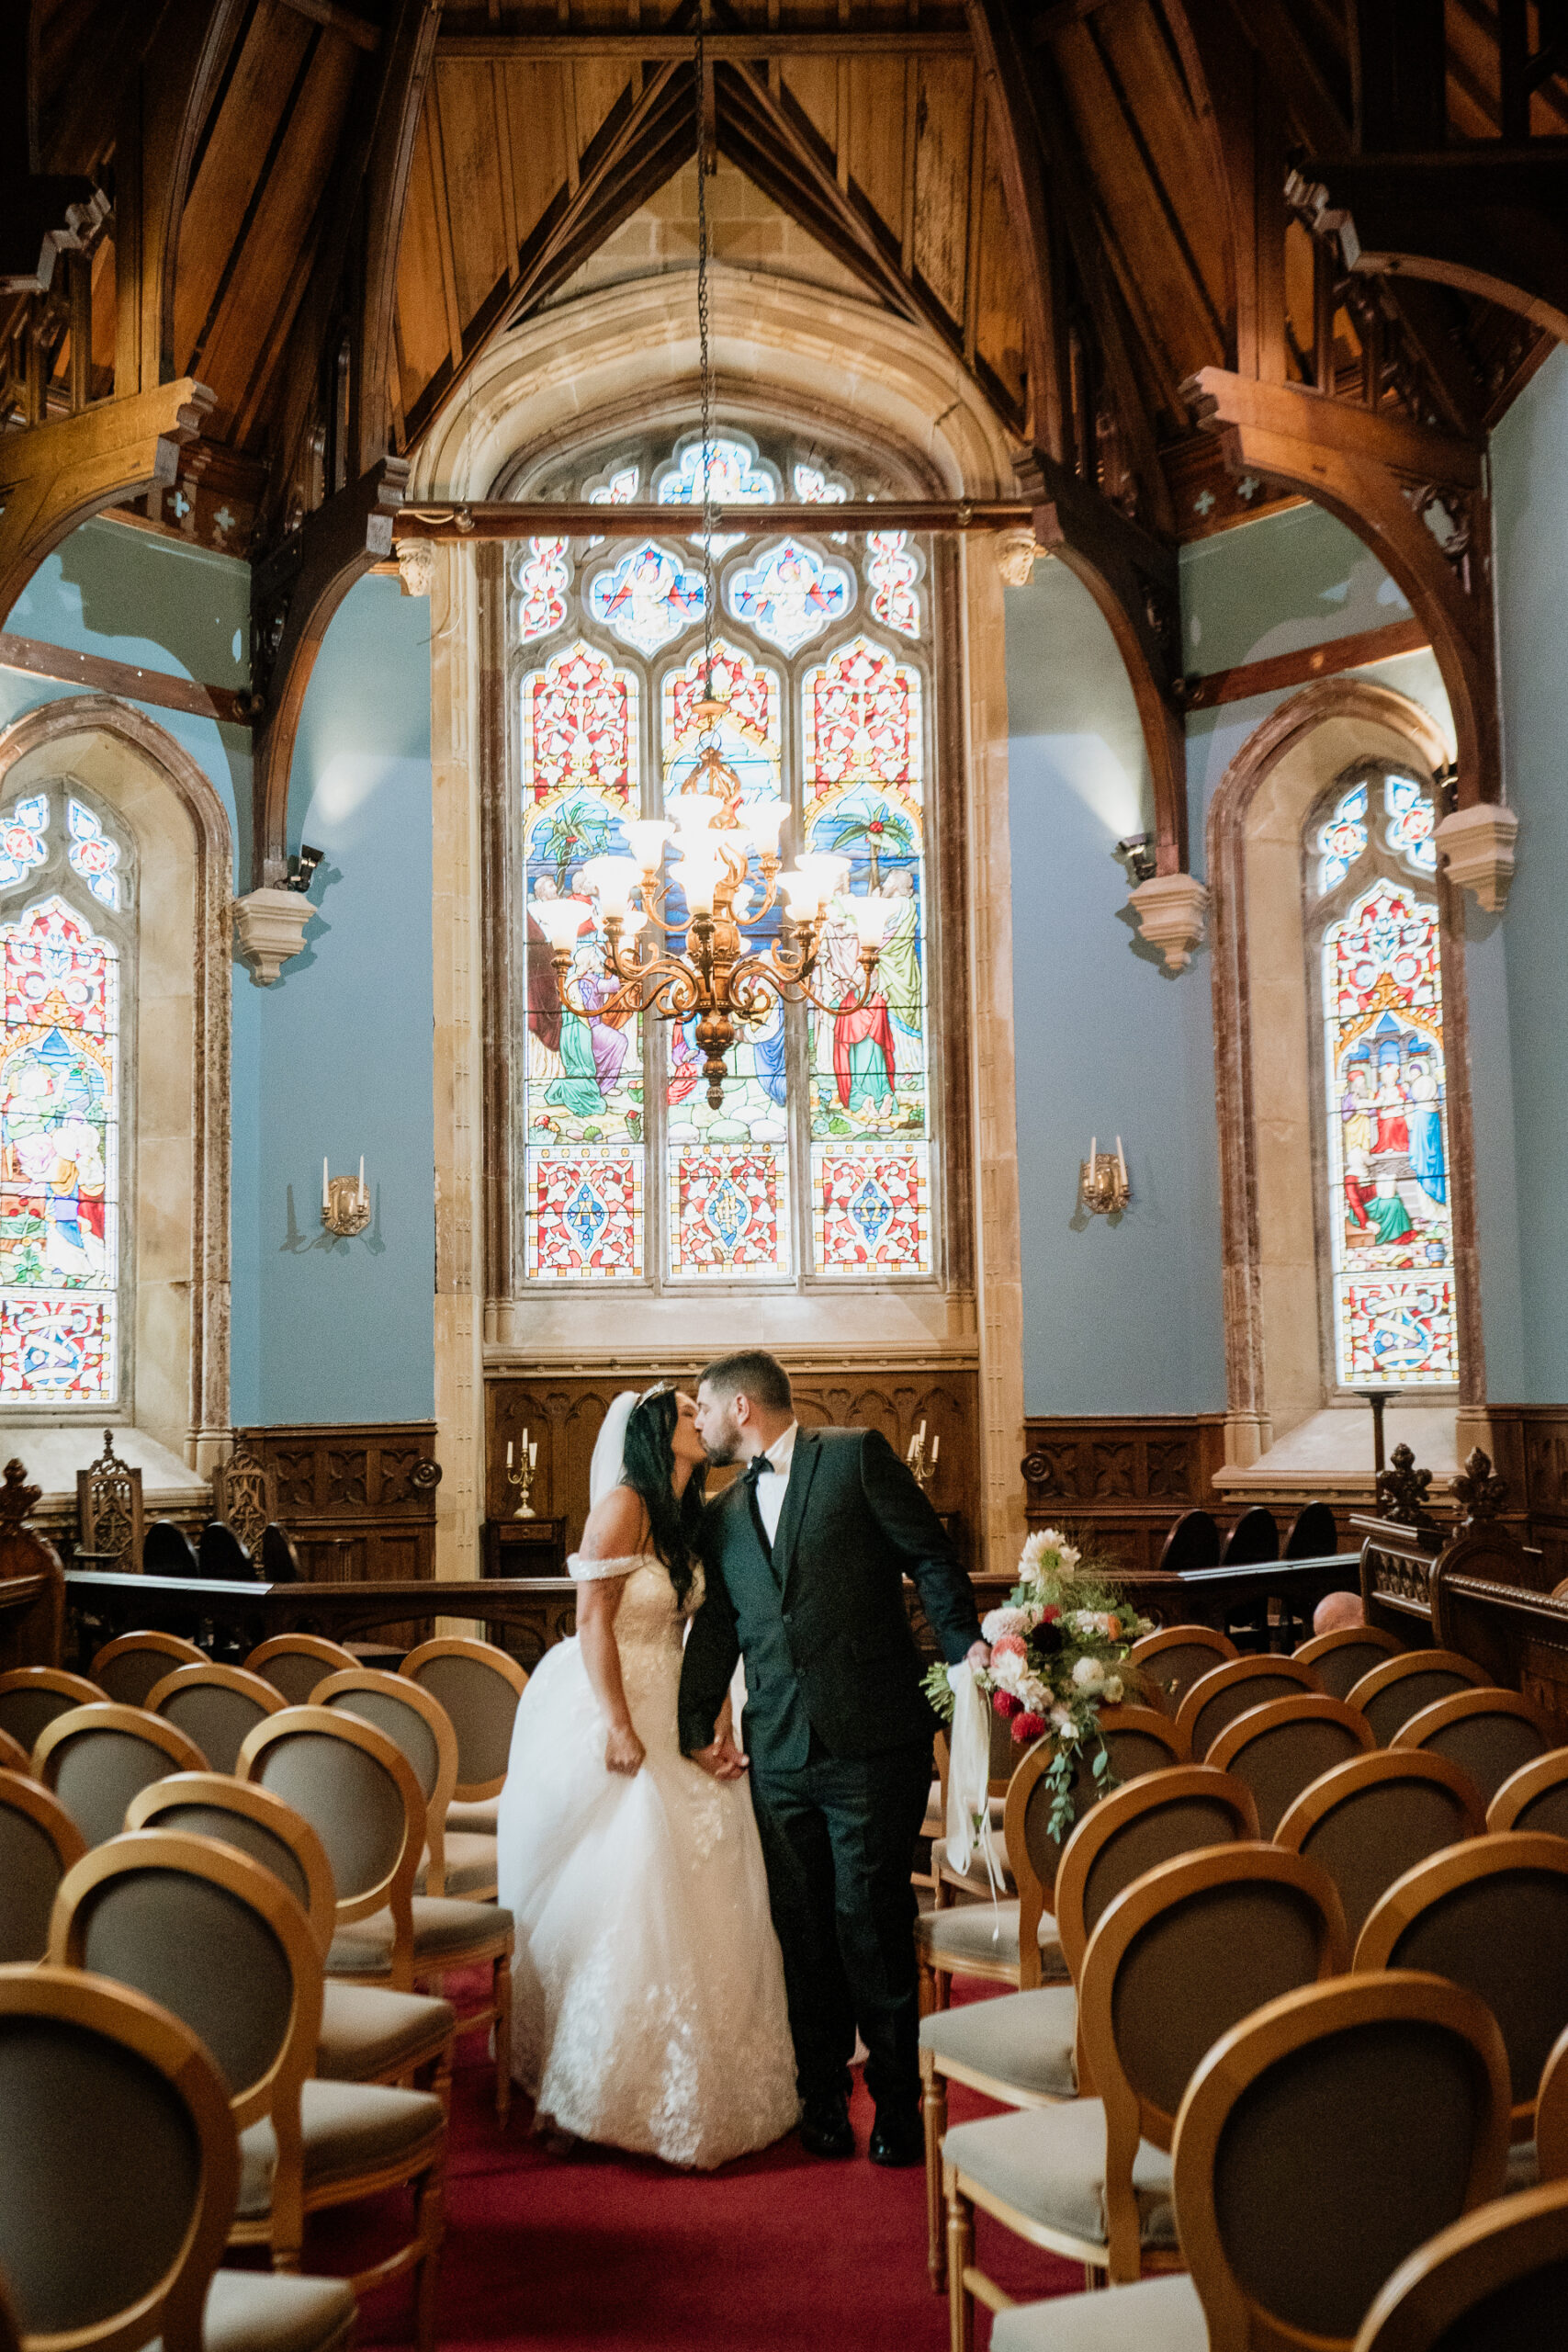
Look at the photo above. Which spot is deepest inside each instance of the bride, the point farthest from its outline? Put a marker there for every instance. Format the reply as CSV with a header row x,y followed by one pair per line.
x,y
649,1995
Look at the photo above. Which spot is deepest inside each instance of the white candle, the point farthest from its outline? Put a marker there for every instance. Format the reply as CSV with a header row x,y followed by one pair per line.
x,y
1121,1157
509,1453
923,1437
532,1452
323,1180
936,1448
362,1176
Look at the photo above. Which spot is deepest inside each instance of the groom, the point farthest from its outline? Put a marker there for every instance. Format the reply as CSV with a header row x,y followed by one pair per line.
x,y
805,1557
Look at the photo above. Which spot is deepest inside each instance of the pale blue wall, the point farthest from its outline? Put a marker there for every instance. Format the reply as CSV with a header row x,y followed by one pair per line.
x,y
337,1055
1530,478
1120,1317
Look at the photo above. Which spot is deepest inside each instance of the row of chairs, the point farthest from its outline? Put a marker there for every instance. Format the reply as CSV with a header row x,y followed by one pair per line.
x,y
1176,1922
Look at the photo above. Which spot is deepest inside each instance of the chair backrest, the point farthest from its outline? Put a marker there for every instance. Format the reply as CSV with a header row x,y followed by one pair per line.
x,y
1341,1658
1138,1741
1488,1734
112,2225
279,1560
1371,1820
295,1662
1497,2278
478,1685
244,1495
167,1551
1217,1697
1535,1797
1281,1749
1313,1535
14,1757
1172,1659
1193,1543
215,1939
240,1813
1325,2137
126,1669
1134,1829
39,1842
223,1558
96,1757
357,1790
1253,1540
1177,1958
1491,1914
408,1713
1402,1685
108,1509
31,1696
215,1705
1551,2113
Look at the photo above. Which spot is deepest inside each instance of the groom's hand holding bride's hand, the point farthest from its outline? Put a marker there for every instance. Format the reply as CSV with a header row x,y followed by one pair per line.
x,y
721,1757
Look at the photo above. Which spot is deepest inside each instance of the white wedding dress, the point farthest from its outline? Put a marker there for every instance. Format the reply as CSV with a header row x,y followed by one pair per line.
x,y
648,1997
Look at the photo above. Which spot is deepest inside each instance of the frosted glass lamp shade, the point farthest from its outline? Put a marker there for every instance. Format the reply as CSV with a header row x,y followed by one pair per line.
x,y
698,877
829,869
560,920
869,916
647,836
763,821
614,879
805,893
695,811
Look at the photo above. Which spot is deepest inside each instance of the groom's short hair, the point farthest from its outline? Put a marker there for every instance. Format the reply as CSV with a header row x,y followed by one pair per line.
x,y
751,1371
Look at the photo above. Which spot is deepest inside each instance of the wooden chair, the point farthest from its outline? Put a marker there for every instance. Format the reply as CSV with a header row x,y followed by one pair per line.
x,y
1279,1749
369,2033
244,1496
356,1788
14,1757
1283,2167
1253,1541
1217,1697
1391,1693
1492,1915
1172,1660
1370,1821
1497,2277
1488,1734
223,1944
1535,1797
1551,2113
295,1662
95,1759
39,1842
1180,1956
126,1669
479,1687
167,1551
1023,2049
1341,1659
1313,1535
31,1696
109,1512
1193,1543
1014,1943
215,1705
464,1864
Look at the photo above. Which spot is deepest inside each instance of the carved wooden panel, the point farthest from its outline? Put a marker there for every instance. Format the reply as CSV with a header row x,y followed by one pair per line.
x,y
1120,1481
563,1414
358,1499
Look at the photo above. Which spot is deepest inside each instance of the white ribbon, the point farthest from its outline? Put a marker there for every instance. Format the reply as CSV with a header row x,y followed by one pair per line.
x,y
969,1784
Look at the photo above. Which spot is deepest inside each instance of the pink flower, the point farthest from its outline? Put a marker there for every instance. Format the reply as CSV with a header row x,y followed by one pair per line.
x,y
1003,1703
1009,1646
1026,1727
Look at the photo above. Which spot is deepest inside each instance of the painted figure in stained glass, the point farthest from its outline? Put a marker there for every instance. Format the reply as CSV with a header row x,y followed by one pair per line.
x,y
648,598
789,595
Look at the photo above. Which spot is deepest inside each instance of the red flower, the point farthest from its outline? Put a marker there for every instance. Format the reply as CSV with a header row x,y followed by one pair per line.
x,y
1003,1703
1026,1727
1049,1615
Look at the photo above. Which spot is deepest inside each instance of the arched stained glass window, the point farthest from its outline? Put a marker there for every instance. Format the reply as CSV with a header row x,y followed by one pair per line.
x,y
65,876
818,1165
1388,1195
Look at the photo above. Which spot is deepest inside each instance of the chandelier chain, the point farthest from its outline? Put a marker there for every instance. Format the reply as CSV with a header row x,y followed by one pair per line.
x,y
704,361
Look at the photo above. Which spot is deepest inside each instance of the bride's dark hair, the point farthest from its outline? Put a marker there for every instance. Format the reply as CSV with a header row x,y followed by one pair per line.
x,y
649,1469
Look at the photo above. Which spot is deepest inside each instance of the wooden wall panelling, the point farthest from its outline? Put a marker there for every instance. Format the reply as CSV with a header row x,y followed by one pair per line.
x,y
1122,1481
564,1412
1531,1450
358,1499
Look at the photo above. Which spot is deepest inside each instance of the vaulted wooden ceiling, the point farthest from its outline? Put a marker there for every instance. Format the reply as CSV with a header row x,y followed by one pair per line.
x,y
513,141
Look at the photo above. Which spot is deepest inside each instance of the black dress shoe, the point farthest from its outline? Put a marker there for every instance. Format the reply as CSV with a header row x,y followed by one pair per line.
x,y
897,2138
825,2129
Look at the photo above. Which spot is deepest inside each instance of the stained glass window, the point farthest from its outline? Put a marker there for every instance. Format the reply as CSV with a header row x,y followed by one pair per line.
x,y
1411,822
23,844
818,1164
1341,840
58,1159
543,580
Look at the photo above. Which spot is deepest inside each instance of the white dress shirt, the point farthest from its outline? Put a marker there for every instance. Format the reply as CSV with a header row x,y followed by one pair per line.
x,y
772,1486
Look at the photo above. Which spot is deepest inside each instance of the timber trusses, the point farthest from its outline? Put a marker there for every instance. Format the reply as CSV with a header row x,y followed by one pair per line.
x,y
1198,255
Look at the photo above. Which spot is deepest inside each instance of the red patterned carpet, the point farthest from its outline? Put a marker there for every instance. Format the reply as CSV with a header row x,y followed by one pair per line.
x,y
605,2253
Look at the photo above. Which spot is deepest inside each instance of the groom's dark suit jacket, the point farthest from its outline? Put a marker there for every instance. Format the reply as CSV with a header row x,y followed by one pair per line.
x,y
822,1622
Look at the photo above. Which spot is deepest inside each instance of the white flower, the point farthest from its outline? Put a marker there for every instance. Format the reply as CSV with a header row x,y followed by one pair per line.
x,y
1114,1691
1088,1674
998,1621
1086,1621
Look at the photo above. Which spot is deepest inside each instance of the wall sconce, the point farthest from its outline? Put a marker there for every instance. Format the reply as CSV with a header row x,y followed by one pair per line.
x,y
346,1203
1137,851
302,869
1104,1187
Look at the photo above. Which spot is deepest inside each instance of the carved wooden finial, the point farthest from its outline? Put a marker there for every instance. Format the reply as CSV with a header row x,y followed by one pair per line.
x,y
1402,1491
17,1498
1478,1493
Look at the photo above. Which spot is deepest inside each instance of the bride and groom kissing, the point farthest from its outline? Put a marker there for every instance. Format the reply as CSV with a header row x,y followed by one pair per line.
x,y
707,1910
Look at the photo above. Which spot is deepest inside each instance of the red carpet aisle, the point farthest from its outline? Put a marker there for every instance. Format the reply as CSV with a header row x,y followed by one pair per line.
x,y
604,2253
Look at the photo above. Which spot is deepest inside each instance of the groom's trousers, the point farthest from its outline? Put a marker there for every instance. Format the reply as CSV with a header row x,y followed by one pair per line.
x,y
839,1835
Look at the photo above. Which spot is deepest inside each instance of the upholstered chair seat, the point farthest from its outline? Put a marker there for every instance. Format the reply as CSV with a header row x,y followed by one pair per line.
x,y
1026,2040
478,1820
371,2034
980,1938
444,1933
470,1863
347,2130
249,2310
1155,2314
1049,2165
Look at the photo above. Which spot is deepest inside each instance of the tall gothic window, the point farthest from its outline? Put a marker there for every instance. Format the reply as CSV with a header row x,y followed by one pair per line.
x,y
1374,938
817,1168
66,936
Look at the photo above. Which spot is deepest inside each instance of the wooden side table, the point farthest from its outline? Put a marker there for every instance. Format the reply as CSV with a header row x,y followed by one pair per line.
x,y
522,1547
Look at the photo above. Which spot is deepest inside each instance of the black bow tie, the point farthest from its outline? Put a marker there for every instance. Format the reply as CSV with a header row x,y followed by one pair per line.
x,y
758,1464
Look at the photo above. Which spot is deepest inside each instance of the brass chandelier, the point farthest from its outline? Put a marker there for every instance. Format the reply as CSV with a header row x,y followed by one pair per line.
x,y
718,978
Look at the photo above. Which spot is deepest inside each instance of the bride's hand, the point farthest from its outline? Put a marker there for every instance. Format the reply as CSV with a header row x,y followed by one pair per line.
x,y
624,1752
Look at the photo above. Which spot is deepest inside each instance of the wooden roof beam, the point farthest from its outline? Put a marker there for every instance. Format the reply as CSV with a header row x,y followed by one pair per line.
x,y
722,45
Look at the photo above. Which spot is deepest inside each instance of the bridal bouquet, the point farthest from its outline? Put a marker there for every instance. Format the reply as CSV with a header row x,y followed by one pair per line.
x,y
1058,1653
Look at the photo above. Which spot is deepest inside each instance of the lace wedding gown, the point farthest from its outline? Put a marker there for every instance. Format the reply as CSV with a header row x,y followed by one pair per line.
x,y
648,1991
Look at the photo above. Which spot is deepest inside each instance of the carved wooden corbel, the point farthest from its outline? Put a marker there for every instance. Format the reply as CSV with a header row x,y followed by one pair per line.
x,y
1414,496
52,477
294,594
